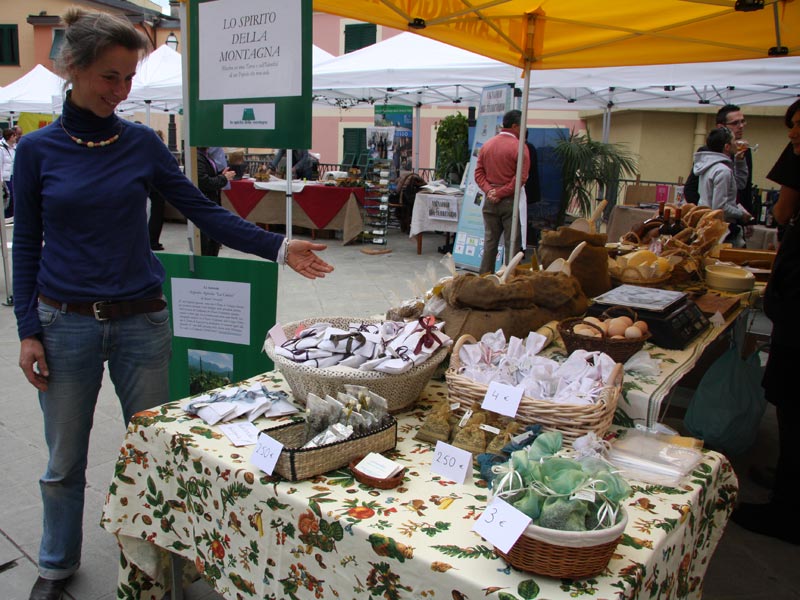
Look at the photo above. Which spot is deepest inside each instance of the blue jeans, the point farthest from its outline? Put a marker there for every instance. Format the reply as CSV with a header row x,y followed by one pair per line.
x,y
76,347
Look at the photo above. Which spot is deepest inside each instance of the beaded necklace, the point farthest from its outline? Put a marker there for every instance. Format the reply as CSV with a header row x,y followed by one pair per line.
x,y
100,144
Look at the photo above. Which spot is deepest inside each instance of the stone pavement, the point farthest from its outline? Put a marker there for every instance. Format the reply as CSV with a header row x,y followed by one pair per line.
x,y
745,566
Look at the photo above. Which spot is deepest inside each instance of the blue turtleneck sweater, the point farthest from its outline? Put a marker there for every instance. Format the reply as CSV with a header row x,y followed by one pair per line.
x,y
80,221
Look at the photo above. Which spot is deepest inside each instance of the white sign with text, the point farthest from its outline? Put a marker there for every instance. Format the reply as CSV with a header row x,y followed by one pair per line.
x,y
451,463
207,309
501,524
249,49
266,453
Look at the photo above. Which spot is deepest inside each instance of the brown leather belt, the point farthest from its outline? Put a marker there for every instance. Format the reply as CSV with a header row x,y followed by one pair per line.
x,y
106,310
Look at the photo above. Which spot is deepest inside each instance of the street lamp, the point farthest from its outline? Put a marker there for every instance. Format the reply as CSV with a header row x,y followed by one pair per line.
x,y
172,41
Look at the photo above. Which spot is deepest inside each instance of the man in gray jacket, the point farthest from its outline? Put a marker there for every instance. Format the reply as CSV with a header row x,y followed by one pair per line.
x,y
718,185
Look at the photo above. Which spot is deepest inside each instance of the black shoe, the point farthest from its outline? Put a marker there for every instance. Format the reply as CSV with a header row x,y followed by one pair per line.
x,y
771,519
763,476
156,247
48,589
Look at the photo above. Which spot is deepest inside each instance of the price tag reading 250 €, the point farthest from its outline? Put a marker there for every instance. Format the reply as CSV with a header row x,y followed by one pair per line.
x,y
501,524
503,399
266,453
451,463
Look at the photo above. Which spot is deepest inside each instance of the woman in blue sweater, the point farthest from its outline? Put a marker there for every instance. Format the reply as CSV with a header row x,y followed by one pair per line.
x,y
88,289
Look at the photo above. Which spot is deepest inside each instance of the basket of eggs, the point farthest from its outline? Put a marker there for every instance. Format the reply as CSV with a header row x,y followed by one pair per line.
x,y
618,332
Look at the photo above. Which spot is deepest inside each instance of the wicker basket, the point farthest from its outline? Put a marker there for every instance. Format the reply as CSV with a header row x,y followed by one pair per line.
x,y
381,484
296,463
400,390
565,554
619,350
631,276
572,420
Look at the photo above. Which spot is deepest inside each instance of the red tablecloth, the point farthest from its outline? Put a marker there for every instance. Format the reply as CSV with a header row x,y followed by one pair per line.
x,y
244,196
320,202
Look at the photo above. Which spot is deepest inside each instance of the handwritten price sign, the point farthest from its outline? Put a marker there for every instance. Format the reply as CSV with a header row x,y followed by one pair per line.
x,y
503,399
451,463
266,453
501,524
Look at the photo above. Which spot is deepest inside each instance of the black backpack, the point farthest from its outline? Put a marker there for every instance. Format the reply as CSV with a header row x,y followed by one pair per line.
x,y
691,192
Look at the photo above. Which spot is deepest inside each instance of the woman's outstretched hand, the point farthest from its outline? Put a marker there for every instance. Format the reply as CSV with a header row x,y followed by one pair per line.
x,y
301,258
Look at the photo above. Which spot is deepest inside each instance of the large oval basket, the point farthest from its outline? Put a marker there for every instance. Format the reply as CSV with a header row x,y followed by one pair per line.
x,y
572,420
565,554
400,390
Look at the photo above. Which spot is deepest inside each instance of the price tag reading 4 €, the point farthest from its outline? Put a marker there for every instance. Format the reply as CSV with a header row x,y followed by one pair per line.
x,y
503,399
450,462
266,453
501,524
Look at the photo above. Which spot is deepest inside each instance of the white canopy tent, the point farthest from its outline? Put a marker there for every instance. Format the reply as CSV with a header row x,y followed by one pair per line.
x,y
39,90
434,72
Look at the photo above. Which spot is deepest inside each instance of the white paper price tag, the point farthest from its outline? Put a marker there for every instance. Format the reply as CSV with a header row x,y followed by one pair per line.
x,y
277,334
501,524
451,463
503,399
266,453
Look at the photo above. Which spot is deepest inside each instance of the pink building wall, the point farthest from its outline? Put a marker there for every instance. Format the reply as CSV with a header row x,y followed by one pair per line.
x,y
328,123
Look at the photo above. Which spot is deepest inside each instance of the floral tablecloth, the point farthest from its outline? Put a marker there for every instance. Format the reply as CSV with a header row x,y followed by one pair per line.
x,y
179,485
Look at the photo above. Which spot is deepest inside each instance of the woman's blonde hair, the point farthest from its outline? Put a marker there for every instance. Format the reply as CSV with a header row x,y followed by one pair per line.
x,y
89,35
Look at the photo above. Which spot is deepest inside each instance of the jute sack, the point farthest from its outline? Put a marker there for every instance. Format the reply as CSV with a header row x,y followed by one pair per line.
x,y
478,305
591,266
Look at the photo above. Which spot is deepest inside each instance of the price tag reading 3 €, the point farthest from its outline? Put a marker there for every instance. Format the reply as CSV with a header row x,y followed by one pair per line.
x,y
266,453
451,463
501,524
503,399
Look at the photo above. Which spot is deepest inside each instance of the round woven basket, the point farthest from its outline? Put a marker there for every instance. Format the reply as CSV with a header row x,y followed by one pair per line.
x,y
631,276
565,554
400,390
572,420
619,350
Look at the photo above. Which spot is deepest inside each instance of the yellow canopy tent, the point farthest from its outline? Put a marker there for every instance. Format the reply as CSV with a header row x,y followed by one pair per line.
x,y
554,34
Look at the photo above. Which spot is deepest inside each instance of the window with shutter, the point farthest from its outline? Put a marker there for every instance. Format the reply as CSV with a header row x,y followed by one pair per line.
x,y
359,35
9,45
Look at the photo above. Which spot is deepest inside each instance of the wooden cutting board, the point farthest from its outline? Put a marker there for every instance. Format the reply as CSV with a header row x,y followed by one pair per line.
x,y
710,303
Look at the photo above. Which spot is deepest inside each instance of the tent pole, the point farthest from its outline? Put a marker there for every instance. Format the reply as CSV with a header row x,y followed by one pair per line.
x,y
523,132
417,133
606,124
188,161
9,299
289,194
147,112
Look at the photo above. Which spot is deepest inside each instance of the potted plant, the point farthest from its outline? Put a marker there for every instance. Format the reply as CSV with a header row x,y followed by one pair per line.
x,y
452,148
589,167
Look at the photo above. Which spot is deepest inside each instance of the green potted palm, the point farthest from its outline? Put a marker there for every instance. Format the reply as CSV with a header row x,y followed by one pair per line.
x,y
589,170
452,148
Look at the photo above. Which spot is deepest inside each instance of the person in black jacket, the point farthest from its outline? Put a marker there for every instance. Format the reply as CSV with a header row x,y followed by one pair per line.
x,y
782,297
210,181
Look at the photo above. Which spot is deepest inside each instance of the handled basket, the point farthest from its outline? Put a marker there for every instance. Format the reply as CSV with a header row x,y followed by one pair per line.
x,y
565,554
619,350
401,390
572,420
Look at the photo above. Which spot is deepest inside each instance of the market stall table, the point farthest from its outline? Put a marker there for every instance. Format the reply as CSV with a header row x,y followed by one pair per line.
x,y
314,206
623,218
181,487
435,212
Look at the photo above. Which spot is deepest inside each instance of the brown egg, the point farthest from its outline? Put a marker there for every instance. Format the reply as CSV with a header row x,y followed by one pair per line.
x,y
633,332
642,326
627,320
617,327
617,337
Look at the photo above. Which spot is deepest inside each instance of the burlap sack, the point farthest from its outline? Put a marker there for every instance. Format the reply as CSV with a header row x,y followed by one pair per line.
x,y
478,305
591,266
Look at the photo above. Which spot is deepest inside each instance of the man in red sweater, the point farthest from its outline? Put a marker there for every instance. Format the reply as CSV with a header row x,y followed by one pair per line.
x,y
495,175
